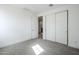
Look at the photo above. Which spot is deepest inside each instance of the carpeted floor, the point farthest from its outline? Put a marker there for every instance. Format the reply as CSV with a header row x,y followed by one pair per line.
x,y
50,48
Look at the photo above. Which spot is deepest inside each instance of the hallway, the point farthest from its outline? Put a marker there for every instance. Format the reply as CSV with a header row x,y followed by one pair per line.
x,y
50,48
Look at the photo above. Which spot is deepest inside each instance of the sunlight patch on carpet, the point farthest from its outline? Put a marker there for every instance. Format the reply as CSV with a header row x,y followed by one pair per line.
x,y
37,49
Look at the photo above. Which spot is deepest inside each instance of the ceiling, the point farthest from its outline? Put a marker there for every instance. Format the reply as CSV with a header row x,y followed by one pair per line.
x,y
37,8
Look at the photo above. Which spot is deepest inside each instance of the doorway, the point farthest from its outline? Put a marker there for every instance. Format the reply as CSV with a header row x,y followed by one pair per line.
x,y
40,27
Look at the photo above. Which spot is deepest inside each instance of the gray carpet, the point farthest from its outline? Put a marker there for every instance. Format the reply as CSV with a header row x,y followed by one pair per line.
x,y
50,48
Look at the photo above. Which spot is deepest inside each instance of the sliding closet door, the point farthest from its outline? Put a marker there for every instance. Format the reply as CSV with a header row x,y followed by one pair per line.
x,y
61,27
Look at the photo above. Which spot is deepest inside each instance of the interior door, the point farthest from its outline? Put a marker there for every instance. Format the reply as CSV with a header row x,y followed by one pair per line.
x,y
61,27
47,28
44,27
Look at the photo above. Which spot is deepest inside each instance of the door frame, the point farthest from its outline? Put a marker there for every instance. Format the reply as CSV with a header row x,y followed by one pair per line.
x,y
67,25
44,27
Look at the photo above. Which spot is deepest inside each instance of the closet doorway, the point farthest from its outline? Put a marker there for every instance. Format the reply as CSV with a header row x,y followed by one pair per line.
x,y
40,27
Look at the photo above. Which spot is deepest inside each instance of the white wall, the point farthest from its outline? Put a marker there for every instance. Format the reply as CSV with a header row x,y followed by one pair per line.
x,y
49,24
15,25
34,27
73,11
